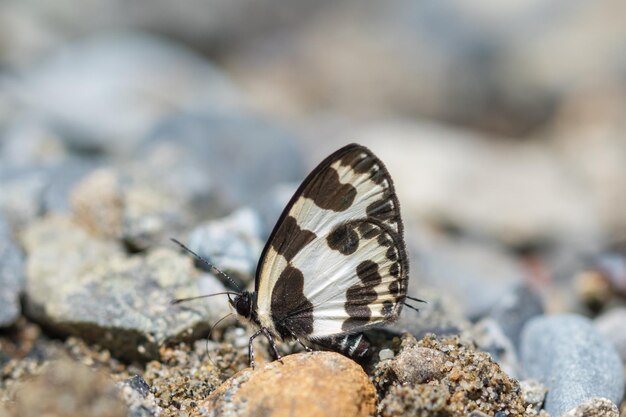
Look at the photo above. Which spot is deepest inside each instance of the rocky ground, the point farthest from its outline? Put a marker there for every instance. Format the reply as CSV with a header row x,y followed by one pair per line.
x,y
122,127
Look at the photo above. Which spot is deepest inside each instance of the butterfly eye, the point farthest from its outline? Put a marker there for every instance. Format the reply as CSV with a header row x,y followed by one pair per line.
x,y
243,305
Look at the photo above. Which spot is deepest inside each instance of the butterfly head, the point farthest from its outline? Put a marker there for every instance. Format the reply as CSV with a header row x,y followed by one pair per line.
x,y
243,304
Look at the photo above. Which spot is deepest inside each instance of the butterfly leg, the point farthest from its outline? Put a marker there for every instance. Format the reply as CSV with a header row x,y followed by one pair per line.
x,y
308,349
251,348
271,340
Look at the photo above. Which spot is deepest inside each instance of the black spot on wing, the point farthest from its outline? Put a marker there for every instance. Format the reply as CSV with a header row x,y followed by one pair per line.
x,y
394,270
360,295
383,210
368,230
289,238
367,271
292,312
362,162
343,239
392,254
328,193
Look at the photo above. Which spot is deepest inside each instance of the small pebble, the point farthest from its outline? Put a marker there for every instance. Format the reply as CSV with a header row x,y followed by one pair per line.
x,y
612,325
385,354
534,393
573,359
595,407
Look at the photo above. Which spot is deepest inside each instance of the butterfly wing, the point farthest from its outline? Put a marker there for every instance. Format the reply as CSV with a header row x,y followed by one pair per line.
x,y
336,261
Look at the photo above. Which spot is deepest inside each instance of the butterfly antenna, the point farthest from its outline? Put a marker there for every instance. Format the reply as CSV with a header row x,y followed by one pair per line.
x,y
411,307
182,300
208,339
416,299
200,258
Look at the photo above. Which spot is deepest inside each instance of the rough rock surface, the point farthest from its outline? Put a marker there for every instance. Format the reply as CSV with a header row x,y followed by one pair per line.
x,y
81,285
595,407
466,381
317,384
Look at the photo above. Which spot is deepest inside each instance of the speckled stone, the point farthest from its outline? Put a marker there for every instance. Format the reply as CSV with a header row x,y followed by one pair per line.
x,y
466,381
595,407
573,359
416,365
86,286
317,384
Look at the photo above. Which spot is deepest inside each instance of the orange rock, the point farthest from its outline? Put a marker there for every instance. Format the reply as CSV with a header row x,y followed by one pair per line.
x,y
315,384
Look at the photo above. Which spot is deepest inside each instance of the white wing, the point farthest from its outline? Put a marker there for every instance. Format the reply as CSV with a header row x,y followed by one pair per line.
x,y
336,261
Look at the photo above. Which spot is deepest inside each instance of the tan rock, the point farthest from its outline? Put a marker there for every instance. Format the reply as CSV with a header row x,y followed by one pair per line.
x,y
315,384
69,389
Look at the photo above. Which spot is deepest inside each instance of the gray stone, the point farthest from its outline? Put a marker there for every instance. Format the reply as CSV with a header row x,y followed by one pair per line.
x,y
573,359
231,243
63,177
595,407
238,157
140,400
476,275
11,275
446,176
534,393
81,285
612,325
439,315
103,93
21,198
514,309
489,337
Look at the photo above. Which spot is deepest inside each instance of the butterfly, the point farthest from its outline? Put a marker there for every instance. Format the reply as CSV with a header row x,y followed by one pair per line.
x,y
335,264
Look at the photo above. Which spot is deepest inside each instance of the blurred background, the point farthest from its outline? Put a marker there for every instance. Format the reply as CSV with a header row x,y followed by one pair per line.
x,y
502,124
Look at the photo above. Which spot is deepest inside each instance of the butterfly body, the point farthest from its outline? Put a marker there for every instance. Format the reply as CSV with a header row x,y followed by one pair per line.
x,y
335,264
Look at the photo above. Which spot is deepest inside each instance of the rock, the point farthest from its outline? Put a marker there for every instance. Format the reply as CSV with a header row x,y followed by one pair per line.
x,y
107,205
573,359
11,275
466,381
31,142
151,215
21,199
70,390
305,384
595,407
80,285
440,314
416,365
231,243
97,203
236,157
489,337
534,393
140,400
612,325
103,93
270,205
186,375
473,274
63,178
445,176
514,309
